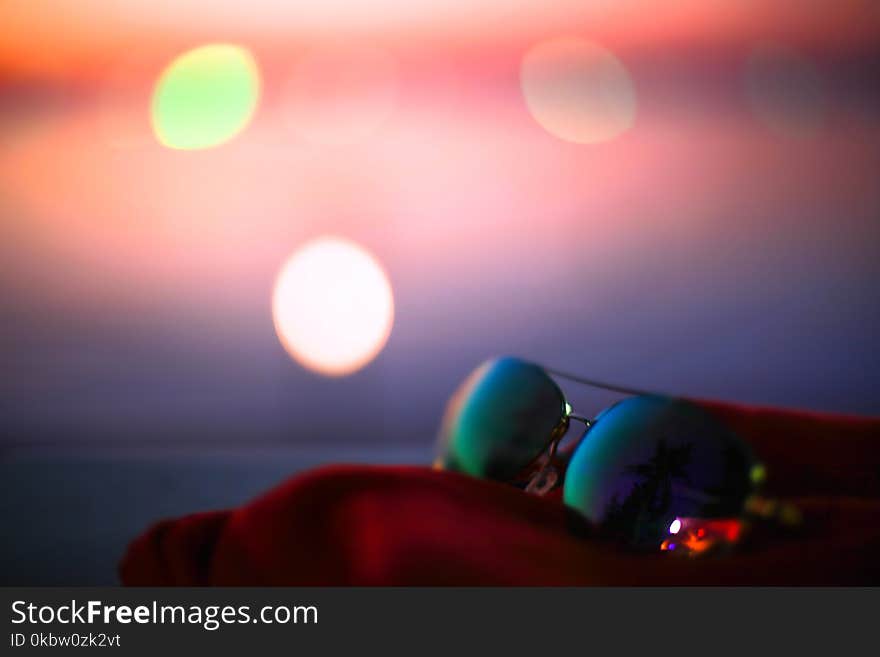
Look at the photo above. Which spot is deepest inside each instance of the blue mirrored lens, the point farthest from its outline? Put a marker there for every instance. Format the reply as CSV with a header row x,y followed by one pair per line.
x,y
649,460
500,419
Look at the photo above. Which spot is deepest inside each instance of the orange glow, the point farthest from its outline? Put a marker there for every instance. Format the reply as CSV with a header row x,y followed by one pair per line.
x,y
51,37
698,535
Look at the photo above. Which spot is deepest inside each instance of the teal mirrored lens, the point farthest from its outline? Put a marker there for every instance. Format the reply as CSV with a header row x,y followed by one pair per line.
x,y
650,460
500,419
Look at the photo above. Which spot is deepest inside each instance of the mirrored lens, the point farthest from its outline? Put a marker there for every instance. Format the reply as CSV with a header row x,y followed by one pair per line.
x,y
500,419
649,461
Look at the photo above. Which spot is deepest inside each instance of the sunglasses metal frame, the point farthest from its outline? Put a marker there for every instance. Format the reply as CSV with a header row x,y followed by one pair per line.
x,y
541,474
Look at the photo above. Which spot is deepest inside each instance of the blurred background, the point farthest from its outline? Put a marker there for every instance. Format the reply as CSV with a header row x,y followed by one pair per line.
x,y
242,239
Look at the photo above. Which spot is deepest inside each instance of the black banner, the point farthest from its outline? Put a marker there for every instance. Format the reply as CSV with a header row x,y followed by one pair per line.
x,y
460,620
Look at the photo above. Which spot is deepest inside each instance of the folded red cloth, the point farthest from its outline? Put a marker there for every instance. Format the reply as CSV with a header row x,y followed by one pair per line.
x,y
360,525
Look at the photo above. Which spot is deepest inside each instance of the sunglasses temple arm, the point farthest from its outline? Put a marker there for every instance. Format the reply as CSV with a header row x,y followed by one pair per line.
x,y
597,384
587,422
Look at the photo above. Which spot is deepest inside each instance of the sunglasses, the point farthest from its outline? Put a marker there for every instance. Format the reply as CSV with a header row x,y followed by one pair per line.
x,y
651,471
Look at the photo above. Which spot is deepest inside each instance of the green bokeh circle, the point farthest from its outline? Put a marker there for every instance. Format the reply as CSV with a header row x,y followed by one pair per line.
x,y
205,96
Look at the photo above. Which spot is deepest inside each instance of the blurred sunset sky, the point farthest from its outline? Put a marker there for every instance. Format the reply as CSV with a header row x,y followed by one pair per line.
x,y
680,196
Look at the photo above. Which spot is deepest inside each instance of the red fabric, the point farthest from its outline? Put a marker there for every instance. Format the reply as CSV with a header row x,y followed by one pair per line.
x,y
359,525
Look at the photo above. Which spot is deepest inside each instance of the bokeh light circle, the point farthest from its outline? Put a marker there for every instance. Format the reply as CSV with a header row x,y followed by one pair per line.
x,y
785,90
205,97
333,306
577,90
341,95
